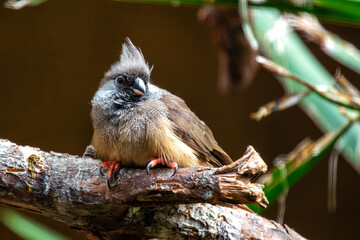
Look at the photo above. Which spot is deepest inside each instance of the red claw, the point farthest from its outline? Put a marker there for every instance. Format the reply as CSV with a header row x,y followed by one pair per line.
x,y
155,161
174,166
113,171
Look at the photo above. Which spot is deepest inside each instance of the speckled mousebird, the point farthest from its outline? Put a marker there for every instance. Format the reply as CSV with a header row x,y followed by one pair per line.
x,y
139,124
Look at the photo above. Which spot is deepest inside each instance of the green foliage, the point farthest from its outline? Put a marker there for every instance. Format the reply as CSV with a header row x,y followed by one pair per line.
x,y
285,48
296,165
339,11
28,228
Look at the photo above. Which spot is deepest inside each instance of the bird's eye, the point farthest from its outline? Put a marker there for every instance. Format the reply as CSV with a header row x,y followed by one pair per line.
x,y
120,79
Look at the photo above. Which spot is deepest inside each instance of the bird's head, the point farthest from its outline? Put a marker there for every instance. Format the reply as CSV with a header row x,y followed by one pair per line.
x,y
130,75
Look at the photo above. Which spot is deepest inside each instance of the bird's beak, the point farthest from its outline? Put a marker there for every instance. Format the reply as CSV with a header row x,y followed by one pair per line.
x,y
140,87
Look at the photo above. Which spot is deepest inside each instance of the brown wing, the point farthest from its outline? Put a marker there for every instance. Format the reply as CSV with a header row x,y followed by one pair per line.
x,y
194,132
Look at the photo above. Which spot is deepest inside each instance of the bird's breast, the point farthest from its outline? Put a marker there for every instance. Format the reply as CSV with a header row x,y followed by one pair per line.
x,y
142,133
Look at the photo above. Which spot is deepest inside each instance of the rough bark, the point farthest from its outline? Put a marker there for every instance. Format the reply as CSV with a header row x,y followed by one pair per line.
x,y
69,188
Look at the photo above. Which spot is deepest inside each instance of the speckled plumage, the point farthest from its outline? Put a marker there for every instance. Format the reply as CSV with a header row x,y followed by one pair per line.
x,y
132,128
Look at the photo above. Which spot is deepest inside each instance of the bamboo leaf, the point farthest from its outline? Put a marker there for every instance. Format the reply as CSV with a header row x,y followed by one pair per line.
x,y
28,228
339,11
337,48
297,164
328,93
279,42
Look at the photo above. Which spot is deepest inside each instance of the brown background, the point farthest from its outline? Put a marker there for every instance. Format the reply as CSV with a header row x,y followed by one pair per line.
x,y
52,57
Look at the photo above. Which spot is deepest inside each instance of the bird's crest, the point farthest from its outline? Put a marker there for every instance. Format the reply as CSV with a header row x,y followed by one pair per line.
x,y
131,59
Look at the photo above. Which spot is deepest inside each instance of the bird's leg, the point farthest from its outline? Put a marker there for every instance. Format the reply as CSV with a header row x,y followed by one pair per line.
x,y
155,161
113,171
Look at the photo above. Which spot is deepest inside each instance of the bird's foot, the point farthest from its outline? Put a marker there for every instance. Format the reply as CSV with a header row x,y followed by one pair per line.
x,y
155,161
113,171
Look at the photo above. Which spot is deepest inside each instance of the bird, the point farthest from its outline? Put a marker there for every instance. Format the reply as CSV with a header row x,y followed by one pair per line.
x,y
138,124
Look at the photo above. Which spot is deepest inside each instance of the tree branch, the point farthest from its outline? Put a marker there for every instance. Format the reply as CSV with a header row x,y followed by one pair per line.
x,y
69,188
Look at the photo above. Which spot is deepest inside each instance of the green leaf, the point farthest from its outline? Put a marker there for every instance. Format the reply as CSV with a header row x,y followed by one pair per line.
x,y
339,11
310,154
27,228
283,46
343,52
332,44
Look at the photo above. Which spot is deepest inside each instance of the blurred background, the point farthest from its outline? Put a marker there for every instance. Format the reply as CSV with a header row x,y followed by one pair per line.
x,y
53,56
